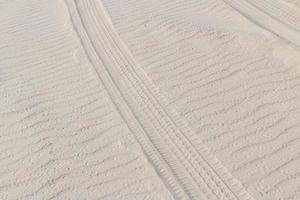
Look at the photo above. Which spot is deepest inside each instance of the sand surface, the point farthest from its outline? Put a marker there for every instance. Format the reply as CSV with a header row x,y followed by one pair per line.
x,y
150,99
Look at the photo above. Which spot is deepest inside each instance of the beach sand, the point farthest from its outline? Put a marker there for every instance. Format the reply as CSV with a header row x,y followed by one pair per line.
x,y
150,99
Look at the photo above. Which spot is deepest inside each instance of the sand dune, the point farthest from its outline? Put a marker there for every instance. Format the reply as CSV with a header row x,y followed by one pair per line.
x,y
127,99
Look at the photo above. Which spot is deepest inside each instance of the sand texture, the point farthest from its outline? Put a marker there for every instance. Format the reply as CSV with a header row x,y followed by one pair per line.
x,y
150,99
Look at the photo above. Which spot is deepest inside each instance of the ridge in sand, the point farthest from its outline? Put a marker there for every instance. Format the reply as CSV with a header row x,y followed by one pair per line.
x,y
159,99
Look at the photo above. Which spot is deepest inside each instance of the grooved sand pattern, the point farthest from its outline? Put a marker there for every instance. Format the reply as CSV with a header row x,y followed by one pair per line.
x,y
149,99
190,170
61,136
236,81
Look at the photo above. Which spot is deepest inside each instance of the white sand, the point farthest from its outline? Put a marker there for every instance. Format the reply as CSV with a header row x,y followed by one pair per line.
x,y
150,99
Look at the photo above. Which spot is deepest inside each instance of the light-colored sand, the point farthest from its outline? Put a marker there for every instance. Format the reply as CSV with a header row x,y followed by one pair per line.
x,y
150,99
62,137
